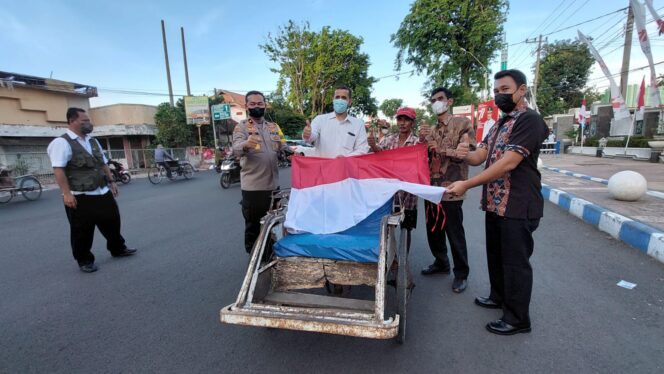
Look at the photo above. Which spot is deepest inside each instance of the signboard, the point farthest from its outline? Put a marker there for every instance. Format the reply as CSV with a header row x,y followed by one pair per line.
x,y
197,109
487,116
221,111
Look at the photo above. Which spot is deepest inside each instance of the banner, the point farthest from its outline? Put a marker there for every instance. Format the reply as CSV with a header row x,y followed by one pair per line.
x,y
487,116
467,111
640,23
660,23
197,109
622,119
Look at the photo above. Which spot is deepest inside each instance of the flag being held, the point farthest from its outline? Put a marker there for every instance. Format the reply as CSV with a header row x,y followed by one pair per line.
x,y
332,195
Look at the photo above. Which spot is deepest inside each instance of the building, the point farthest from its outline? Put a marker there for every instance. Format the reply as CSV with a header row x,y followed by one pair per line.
x,y
33,112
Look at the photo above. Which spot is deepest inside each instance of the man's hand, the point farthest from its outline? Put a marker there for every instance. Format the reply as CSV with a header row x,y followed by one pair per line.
x,y
252,142
425,130
306,134
463,147
114,189
432,145
371,140
457,188
70,200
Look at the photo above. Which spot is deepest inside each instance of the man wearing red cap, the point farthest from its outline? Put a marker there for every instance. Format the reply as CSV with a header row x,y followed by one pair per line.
x,y
448,144
405,137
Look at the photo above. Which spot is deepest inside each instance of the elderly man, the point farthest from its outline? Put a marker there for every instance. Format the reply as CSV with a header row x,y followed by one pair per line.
x,y
338,133
258,143
512,201
160,157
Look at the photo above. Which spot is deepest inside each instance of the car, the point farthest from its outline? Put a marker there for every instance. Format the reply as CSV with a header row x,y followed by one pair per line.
x,y
300,147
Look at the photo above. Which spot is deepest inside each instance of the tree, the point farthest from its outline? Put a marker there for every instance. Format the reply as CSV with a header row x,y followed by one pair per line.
x,y
172,128
564,70
389,107
440,37
425,115
311,64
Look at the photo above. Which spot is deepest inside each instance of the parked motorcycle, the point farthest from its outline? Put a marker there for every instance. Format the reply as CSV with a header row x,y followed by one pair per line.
x,y
120,174
284,160
230,171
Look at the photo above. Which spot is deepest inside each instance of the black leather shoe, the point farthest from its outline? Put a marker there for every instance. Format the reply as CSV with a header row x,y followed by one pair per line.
x,y
88,268
485,302
124,253
459,285
501,327
435,269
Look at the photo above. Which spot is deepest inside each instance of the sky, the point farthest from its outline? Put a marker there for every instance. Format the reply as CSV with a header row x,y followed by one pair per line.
x,y
117,45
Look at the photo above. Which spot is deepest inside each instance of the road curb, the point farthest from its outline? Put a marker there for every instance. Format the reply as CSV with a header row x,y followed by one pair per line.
x,y
646,239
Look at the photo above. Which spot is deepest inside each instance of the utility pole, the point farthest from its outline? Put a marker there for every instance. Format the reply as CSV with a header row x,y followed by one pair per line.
x,y
627,51
168,68
537,65
184,54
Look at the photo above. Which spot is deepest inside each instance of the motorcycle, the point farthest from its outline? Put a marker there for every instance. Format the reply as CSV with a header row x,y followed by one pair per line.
x,y
230,171
120,174
284,159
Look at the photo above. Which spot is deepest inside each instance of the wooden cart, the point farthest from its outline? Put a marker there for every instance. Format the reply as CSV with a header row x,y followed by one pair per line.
x,y
274,291
27,185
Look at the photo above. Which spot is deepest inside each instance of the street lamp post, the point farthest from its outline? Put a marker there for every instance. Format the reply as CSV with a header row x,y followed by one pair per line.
x,y
486,81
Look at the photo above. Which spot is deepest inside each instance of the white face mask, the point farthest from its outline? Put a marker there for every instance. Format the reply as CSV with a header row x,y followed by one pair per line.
x,y
385,131
439,107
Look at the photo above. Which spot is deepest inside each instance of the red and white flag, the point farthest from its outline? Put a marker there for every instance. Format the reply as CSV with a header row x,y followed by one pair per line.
x,y
582,113
640,23
653,11
332,195
641,102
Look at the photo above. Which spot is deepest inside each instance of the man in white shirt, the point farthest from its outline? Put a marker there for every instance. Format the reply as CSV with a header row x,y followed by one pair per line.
x,y
81,171
338,133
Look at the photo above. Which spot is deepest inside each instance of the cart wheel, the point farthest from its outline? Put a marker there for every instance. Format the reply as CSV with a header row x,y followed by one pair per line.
x,y
5,196
402,286
188,171
156,174
225,180
31,189
125,178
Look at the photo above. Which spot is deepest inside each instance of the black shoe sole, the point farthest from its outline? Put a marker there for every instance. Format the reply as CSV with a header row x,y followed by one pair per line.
x,y
446,272
88,271
488,306
511,332
124,254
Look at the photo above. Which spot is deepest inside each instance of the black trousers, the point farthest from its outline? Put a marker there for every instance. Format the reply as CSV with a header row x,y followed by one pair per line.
x,y
453,231
255,205
92,211
509,245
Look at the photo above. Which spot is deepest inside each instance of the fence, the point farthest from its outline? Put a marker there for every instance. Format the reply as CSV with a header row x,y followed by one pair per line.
x,y
39,164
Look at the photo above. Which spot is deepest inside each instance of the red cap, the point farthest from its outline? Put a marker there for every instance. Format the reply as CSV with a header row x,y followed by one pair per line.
x,y
408,112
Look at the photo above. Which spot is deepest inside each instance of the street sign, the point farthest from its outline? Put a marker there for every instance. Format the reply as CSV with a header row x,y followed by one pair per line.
x,y
221,111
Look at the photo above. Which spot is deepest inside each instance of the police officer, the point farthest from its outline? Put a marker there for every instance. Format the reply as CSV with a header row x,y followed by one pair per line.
x,y
82,173
258,144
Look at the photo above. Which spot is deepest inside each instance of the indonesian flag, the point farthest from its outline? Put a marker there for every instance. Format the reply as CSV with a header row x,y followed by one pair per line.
x,y
582,114
641,101
332,195
640,23
653,11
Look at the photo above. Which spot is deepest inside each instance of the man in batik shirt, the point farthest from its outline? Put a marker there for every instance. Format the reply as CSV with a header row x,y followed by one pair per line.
x,y
512,199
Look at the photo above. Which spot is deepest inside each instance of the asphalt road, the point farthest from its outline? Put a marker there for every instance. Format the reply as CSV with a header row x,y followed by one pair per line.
x,y
158,311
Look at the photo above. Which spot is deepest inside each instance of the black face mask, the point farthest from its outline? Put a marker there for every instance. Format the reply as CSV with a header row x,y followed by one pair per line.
x,y
86,127
505,103
256,112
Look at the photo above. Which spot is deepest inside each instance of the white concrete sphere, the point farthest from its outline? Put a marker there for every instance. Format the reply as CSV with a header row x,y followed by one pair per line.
x,y
627,185
539,163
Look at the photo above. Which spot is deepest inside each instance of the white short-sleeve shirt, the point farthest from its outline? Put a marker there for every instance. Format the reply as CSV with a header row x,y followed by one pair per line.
x,y
59,151
332,138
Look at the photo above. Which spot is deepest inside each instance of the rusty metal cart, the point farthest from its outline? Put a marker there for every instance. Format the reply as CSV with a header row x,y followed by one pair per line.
x,y
274,291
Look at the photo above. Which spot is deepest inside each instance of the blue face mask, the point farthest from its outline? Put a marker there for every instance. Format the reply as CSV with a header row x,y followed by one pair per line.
x,y
340,106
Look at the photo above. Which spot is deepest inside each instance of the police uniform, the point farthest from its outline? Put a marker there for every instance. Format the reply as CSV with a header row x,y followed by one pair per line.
x,y
259,173
83,163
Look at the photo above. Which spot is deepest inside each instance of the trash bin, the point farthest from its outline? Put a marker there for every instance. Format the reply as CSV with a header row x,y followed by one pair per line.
x,y
599,152
557,147
654,156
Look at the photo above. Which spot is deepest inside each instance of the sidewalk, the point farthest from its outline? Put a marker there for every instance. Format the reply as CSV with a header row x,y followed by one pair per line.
x,y
585,195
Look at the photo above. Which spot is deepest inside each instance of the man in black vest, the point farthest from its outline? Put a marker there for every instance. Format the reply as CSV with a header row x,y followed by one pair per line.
x,y
82,173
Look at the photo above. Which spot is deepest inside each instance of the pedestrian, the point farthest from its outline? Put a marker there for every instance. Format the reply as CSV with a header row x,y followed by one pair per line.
x,y
448,144
512,200
337,133
160,158
405,137
257,142
88,190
